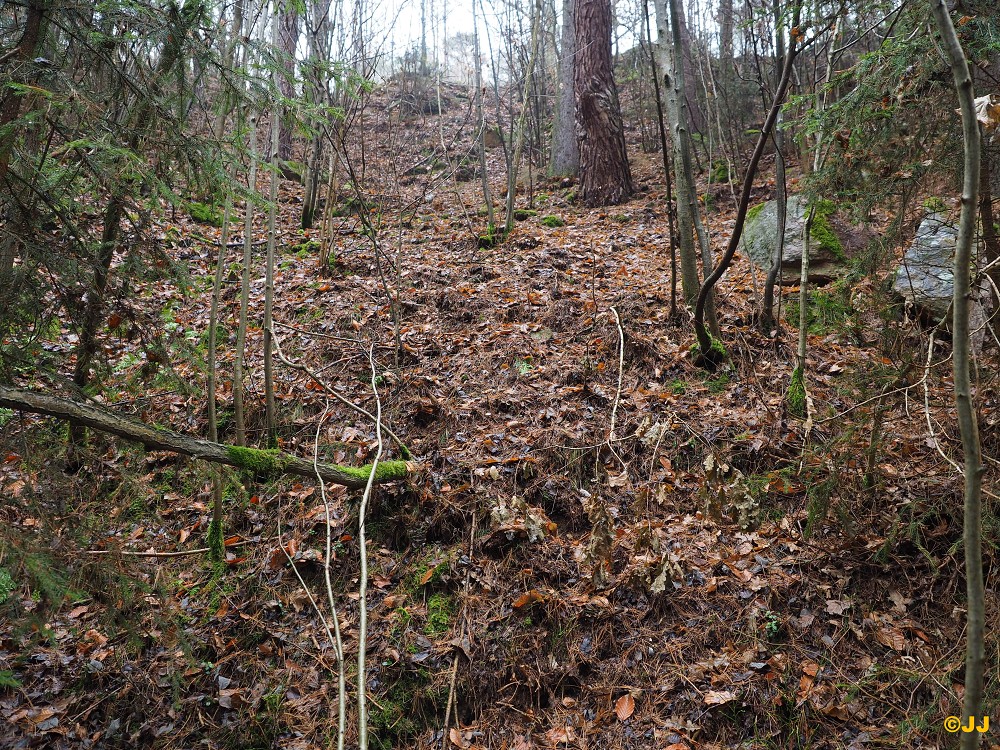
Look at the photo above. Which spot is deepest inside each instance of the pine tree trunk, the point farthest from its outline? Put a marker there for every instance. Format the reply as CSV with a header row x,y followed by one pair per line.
x,y
606,178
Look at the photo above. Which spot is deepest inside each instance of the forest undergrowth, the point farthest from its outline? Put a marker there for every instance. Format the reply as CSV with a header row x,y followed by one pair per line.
x,y
604,546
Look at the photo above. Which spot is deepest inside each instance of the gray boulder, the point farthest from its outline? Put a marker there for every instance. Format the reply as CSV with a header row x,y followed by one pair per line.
x,y
826,245
927,282
925,278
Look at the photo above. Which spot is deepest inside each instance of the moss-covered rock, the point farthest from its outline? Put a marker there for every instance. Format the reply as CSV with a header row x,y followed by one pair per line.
x,y
827,254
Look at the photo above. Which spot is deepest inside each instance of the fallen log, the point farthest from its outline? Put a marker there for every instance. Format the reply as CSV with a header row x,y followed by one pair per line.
x,y
267,463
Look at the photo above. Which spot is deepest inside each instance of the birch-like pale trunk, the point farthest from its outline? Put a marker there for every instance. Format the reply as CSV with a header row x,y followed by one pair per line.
x,y
690,282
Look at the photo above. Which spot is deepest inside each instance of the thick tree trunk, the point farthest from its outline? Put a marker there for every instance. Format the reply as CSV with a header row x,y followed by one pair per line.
x,y
156,438
604,169
10,103
565,150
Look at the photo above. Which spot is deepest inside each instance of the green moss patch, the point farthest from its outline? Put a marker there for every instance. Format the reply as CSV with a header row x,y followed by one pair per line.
x,y
266,463
822,232
754,211
440,610
205,213
552,222
385,471
795,397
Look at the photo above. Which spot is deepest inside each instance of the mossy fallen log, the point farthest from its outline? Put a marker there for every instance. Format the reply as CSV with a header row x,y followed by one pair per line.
x,y
259,462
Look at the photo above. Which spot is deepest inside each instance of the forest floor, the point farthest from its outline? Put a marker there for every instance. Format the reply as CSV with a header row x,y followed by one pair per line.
x,y
552,576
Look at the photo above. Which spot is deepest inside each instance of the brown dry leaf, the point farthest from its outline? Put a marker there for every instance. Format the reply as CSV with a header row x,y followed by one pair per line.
x,y
892,637
835,607
836,711
805,686
719,697
624,707
77,611
560,735
528,598
455,735
428,575
279,556
810,668
231,698
95,637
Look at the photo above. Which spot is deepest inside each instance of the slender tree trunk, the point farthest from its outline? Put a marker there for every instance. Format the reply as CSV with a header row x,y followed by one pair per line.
x,y
690,283
565,149
725,21
270,417
288,37
606,178
521,120
767,310
241,331
975,653
665,153
704,339
216,535
685,182
481,124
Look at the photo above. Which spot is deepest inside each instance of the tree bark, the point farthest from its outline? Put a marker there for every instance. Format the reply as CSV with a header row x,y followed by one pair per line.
x,y
606,178
288,36
565,149
10,103
156,438
767,310
972,539
690,282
